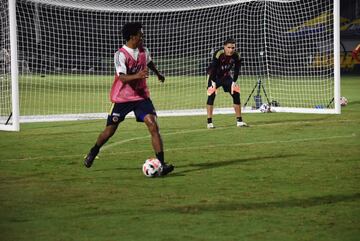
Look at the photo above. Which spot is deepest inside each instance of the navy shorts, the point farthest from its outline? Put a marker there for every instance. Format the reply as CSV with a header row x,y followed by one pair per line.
x,y
119,111
225,83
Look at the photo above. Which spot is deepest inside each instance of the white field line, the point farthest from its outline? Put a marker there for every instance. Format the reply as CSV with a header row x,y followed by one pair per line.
x,y
190,147
206,130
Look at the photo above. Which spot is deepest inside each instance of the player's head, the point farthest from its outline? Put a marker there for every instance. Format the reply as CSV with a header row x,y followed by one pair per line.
x,y
133,31
229,47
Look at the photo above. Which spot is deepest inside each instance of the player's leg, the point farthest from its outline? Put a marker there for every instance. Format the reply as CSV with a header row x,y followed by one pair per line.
x,y
210,110
156,140
106,134
228,86
237,108
145,112
117,114
101,140
211,91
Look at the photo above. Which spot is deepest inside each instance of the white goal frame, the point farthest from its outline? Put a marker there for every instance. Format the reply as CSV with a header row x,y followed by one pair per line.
x,y
16,117
15,114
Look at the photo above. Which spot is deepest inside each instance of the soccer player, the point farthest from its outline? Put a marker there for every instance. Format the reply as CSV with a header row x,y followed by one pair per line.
x,y
129,92
224,60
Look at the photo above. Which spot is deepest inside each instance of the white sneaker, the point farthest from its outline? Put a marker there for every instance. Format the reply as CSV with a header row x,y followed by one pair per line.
x,y
210,126
241,124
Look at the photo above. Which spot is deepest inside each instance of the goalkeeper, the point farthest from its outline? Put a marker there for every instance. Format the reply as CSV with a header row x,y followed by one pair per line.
x,y
130,93
224,60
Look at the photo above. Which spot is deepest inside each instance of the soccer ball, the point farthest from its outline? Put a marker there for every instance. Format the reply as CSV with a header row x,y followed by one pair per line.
x,y
265,108
343,101
152,167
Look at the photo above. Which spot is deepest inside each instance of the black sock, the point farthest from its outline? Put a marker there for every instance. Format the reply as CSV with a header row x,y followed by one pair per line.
x,y
95,150
239,119
209,120
160,157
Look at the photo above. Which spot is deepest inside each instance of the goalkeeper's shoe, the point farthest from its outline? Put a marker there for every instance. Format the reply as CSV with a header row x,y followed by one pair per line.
x,y
89,159
241,124
210,126
166,169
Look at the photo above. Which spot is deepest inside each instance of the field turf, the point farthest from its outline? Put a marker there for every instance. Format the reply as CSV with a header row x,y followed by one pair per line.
x,y
287,177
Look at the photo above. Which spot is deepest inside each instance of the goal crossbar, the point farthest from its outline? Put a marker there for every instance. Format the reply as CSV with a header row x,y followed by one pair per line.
x,y
61,63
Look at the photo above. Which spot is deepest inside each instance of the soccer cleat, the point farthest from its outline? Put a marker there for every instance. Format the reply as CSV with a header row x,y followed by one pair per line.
x,y
210,126
241,124
166,169
89,160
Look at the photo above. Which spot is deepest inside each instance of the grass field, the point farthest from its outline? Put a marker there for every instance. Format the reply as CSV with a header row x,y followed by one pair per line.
x,y
72,94
287,177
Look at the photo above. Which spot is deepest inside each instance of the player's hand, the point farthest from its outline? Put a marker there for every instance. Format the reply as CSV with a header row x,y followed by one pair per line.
x,y
161,78
212,89
142,74
235,88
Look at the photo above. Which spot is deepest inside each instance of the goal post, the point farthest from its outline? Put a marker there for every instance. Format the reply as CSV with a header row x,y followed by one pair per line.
x,y
64,55
9,92
336,39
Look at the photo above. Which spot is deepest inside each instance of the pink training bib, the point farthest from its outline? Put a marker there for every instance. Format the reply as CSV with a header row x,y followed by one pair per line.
x,y
135,89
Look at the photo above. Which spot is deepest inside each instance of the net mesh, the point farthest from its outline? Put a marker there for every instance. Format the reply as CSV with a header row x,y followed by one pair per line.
x,y
66,52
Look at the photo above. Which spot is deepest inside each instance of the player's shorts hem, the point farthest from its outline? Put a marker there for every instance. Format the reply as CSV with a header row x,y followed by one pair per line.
x,y
141,108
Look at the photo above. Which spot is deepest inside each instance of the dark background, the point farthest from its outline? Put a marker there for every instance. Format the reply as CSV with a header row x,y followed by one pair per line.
x,y
82,41
350,9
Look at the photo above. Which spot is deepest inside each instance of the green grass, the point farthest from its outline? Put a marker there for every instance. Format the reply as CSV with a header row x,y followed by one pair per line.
x,y
287,177
71,94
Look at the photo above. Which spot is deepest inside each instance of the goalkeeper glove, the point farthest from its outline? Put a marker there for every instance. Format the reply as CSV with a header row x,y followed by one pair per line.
x,y
235,88
212,89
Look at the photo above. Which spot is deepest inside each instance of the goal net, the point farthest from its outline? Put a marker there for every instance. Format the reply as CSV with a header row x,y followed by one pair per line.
x,y
66,66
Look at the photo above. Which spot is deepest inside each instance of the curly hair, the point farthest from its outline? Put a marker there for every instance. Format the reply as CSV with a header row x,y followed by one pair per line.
x,y
131,29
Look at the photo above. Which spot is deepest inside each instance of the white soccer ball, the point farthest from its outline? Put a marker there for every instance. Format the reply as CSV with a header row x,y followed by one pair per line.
x,y
264,108
343,101
152,167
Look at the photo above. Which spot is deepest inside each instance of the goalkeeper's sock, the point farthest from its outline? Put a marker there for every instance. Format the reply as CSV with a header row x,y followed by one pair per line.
x,y
95,150
209,120
239,119
160,157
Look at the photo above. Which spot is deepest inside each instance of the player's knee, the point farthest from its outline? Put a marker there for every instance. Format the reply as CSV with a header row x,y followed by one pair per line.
x,y
211,99
150,121
110,130
236,98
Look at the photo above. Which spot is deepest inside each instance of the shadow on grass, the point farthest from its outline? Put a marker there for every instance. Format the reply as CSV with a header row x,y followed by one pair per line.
x,y
288,203
210,165
192,167
354,102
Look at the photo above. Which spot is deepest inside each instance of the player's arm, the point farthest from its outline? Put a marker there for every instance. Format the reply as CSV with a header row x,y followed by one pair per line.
x,y
215,63
237,66
142,74
213,67
152,66
235,87
120,67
